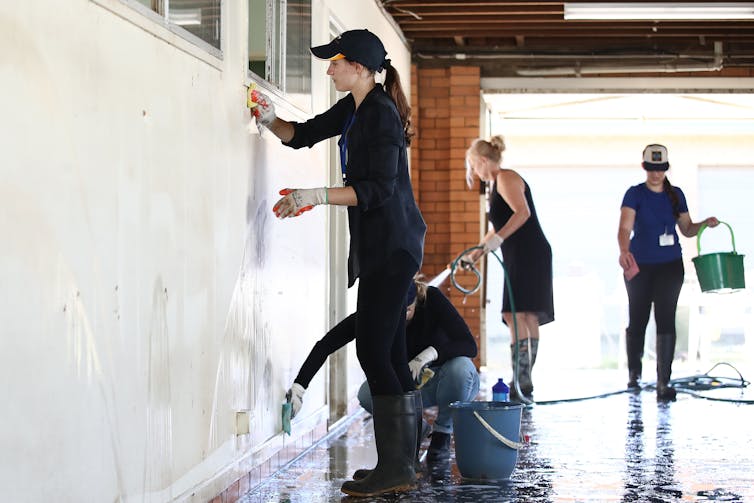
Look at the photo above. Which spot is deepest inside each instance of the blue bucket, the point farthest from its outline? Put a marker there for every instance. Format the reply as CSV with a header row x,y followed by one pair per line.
x,y
487,438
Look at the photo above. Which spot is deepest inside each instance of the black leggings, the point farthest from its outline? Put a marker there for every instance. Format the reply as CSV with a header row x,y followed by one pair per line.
x,y
381,326
658,284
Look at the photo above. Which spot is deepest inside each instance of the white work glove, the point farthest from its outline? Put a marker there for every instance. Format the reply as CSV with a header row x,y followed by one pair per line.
x,y
295,395
264,111
428,355
296,201
492,243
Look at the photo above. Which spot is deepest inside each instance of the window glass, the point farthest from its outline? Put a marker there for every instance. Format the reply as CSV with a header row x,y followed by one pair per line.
x,y
258,37
201,18
298,41
279,41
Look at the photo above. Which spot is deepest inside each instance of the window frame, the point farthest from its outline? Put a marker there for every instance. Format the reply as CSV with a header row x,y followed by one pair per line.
x,y
276,57
159,26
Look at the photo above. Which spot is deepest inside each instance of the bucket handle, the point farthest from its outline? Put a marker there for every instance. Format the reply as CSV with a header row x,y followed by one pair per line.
x,y
699,237
508,443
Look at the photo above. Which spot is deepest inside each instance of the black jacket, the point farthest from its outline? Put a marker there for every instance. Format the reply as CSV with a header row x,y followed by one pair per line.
x,y
387,218
436,323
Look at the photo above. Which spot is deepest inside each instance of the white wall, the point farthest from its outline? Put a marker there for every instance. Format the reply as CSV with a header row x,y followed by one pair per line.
x,y
148,293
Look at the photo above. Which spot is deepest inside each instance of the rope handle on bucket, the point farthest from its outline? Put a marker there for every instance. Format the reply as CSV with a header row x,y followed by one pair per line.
x,y
506,441
699,237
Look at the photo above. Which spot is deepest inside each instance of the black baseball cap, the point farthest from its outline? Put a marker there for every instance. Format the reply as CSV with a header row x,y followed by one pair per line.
x,y
361,46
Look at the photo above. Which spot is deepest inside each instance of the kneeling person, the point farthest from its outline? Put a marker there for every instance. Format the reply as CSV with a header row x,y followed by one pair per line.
x,y
437,337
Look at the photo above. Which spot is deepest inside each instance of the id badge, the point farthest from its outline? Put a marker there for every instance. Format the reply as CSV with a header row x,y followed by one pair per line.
x,y
667,239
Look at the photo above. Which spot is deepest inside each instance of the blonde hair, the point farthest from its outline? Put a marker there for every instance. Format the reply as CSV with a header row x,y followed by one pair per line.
x,y
492,149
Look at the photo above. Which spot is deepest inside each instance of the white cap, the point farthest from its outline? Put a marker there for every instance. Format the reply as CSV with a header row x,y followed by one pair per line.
x,y
655,158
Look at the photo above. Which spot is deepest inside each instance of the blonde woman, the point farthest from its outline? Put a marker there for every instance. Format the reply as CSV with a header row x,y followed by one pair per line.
x,y
526,253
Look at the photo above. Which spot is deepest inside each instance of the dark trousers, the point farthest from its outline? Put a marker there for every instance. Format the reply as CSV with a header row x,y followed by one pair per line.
x,y
381,326
658,284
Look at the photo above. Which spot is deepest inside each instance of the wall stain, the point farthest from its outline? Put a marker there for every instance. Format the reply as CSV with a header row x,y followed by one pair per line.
x,y
158,449
239,383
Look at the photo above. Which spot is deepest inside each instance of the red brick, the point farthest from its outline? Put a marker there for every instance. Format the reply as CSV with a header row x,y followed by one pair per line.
x,y
427,186
436,112
456,121
436,133
464,70
425,102
443,82
434,92
465,80
464,90
449,208
432,72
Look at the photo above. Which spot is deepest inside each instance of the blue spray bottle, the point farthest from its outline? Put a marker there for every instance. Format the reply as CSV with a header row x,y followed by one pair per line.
x,y
500,392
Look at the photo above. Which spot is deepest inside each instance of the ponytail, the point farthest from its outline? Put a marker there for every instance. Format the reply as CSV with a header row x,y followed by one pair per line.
x,y
395,91
670,191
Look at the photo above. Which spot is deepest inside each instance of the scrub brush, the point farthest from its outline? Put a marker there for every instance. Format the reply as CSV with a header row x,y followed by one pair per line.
x,y
286,414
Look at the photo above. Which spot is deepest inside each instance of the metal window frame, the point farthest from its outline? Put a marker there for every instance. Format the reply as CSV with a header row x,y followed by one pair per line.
x,y
158,13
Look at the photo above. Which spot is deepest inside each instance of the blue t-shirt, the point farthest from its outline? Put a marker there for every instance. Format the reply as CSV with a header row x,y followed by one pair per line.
x,y
654,217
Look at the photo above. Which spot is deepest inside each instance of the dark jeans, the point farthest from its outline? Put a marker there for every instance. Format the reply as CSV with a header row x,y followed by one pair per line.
x,y
381,326
658,284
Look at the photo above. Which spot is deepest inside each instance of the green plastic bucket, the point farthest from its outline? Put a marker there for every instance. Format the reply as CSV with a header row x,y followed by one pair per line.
x,y
487,438
719,272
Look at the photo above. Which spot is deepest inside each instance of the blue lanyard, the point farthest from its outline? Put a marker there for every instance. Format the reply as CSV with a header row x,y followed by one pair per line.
x,y
343,144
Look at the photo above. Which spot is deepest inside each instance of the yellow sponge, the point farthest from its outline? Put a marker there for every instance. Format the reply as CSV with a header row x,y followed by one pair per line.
x,y
251,96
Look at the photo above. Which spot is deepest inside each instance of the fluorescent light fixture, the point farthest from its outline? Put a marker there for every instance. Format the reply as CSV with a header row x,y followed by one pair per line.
x,y
658,11
185,17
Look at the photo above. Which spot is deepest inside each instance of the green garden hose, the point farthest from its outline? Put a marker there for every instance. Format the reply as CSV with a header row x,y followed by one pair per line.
x,y
689,385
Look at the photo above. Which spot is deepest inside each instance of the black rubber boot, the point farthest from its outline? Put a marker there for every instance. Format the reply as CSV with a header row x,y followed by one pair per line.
x,y
439,448
665,355
423,429
394,418
634,354
527,355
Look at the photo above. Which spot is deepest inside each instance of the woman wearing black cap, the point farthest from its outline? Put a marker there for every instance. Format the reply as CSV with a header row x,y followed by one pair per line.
x,y
386,233
652,263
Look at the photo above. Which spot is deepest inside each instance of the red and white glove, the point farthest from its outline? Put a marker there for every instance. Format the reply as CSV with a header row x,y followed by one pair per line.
x,y
264,111
492,243
296,201
427,356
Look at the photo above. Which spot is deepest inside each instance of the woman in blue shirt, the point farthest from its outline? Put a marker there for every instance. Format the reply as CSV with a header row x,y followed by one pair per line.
x,y
652,263
386,233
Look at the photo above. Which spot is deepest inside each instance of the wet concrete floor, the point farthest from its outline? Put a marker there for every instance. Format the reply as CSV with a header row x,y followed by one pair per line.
x,y
624,447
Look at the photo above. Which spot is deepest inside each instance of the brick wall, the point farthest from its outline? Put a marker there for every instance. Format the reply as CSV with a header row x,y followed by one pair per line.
x,y
438,153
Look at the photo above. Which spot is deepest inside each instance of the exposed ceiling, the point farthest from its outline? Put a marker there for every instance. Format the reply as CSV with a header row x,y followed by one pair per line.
x,y
533,39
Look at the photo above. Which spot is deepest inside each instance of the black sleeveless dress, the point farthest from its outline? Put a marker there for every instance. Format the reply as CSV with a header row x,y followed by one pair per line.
x,y
528,260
